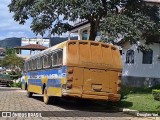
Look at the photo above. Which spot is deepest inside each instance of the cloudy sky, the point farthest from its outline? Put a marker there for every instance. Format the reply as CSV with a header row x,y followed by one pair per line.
x,y
11,28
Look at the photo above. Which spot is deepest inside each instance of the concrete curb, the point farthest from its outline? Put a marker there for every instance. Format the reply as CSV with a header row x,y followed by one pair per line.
x,y
135,112
128,111
15,88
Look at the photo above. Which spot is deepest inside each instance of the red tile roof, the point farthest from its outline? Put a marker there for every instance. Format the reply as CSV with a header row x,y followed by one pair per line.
x,y
32,47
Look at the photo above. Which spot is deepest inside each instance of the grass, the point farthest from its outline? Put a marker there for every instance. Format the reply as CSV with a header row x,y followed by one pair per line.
x,y
140,102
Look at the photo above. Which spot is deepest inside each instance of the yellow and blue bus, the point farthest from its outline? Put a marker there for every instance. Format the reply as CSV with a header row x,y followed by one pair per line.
x,y
76,68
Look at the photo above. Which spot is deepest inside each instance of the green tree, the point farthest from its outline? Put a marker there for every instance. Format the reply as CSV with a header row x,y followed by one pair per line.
x,y
12,61
10,51
110,15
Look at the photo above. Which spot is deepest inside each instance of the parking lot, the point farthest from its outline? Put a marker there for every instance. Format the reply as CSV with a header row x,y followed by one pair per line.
x,y
12,99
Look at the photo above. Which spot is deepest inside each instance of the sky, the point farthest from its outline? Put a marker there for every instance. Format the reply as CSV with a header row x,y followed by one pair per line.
x,y
10,28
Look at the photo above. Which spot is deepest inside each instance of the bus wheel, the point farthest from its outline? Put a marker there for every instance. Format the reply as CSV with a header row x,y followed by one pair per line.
x,y
29,94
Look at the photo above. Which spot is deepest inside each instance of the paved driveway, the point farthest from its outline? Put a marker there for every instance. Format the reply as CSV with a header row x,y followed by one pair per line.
x,y
16,100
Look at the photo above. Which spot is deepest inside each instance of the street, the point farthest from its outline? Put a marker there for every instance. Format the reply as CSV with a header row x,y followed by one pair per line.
x,y
12,99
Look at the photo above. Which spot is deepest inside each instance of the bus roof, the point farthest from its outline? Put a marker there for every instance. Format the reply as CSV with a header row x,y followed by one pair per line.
x,y
60,46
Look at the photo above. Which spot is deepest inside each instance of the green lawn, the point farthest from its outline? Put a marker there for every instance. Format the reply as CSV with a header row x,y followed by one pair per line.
x,y
141,102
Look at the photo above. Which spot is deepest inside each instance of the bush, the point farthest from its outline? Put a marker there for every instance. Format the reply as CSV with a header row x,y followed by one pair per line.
x,y
124,92
136,90
17,84
156,94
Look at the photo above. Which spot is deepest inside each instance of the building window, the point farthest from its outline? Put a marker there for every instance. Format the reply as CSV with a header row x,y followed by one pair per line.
x,y
85,35
99,33
130,56
147,56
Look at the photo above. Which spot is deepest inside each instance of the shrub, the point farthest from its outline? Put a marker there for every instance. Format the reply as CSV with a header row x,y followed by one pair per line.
x,y
124,92
136,90
156,94
17,84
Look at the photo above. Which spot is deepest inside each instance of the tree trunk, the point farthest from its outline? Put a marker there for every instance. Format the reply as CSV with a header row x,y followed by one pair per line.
x,y
93,30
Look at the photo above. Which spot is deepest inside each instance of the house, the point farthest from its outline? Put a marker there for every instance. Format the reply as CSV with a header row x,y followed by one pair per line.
x,y
140,68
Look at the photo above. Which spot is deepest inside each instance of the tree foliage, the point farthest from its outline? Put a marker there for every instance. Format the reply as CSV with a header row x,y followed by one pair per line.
x,y
140,24
130,18
11,60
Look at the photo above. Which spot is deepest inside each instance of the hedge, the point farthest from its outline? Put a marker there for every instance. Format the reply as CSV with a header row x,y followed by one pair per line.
x,y
156,94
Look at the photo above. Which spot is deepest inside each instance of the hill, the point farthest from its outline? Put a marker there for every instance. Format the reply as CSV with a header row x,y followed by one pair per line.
x,y
10,42
13,42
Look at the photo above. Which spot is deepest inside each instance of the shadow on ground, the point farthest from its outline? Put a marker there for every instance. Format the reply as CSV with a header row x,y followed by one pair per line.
x,y
90,106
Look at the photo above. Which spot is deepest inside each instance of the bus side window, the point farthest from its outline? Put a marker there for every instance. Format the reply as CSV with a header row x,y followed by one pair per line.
x,y
49,60
60,56
54,59
41,62
30,66
35,64
26,66
45,61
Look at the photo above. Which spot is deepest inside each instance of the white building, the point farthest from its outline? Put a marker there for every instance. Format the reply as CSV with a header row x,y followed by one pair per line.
x,y
139,68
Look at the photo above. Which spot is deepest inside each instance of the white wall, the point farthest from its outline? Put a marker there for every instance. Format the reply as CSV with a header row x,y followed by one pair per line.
x,y
80,30
138,69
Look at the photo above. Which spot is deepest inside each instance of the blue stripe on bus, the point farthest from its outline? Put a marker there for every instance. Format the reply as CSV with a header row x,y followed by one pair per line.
x,y
54,76
37,82
54,83
50,73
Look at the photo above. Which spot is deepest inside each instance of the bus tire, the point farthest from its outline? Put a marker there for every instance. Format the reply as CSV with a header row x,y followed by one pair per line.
x,y
49,99
29,94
